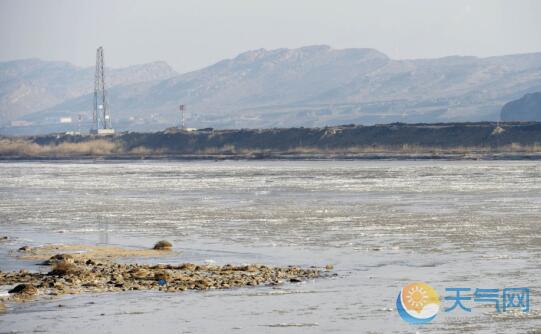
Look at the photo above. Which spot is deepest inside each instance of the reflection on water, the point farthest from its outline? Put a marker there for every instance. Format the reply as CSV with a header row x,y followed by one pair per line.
x,y
103,231
382,224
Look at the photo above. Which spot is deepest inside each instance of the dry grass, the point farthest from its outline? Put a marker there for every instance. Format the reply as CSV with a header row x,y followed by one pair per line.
x,y
226,149
102,147
416,149
231,149
26,148
401,149
142,151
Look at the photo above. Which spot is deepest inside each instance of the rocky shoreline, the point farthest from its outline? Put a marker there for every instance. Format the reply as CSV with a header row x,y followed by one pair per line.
x,y
76,273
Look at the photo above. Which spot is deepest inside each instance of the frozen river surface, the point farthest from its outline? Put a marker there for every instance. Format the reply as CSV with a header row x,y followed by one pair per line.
x,y
382,224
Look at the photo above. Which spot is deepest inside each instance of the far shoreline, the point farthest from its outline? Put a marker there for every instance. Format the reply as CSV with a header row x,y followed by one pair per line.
x,y
501,156
395,141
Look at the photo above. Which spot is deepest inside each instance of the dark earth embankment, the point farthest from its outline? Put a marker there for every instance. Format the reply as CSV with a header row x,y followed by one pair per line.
x,y
444,140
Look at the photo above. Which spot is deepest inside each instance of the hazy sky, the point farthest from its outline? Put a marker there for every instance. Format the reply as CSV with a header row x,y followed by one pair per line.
x,y
190,34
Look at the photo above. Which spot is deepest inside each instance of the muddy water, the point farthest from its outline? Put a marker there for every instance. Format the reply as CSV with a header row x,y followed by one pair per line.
x,y
382,224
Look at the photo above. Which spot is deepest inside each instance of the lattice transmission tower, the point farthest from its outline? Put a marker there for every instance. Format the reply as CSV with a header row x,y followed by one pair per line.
x,y
102,115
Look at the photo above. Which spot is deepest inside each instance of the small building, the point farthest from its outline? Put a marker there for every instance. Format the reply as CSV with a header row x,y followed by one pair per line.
x,y
103,132
72,133
20,123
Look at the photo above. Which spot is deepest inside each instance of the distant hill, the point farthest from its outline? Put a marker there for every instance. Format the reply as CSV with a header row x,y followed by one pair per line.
x,y
527,108
31,85
309,86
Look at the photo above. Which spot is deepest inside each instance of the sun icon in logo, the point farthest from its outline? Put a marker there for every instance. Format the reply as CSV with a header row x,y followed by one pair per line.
x,y
416,298
418,303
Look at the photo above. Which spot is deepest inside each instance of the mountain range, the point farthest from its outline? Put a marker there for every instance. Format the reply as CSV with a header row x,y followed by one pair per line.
x,y
308,86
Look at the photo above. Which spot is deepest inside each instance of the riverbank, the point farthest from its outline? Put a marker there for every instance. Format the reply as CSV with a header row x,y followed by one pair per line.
x,y
278,157
447,141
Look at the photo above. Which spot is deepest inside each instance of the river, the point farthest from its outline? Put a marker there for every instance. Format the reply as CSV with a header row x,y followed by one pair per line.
x,y
381,224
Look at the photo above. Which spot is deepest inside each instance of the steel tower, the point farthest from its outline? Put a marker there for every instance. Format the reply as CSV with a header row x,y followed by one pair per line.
x,y
101,116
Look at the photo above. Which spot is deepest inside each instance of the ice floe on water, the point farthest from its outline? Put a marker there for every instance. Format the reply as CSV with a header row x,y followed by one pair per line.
x,y
382,224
